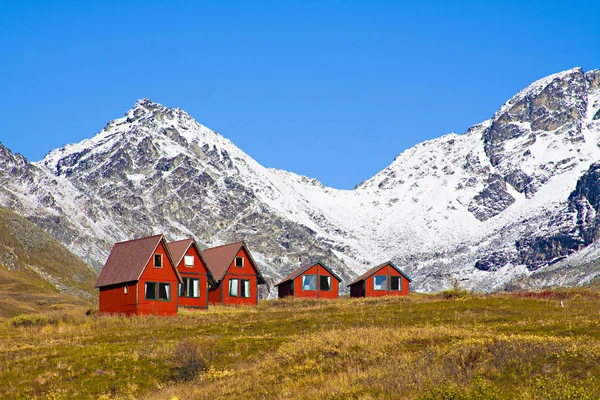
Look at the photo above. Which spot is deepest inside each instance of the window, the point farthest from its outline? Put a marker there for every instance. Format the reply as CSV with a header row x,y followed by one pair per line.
x,y
190,287
309,282
125,289
244,288
158,261
158,291
188,261
151,290
239,288
233,287
380,282
239,262
325,283
396,283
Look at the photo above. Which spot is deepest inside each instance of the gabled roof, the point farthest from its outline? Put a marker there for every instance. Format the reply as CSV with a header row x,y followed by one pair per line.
x,y
127,260
220,258
180,247
374,270
305,268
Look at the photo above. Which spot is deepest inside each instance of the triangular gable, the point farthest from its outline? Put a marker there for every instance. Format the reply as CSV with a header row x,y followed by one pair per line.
x,y
128,260
376,269
305,268
220,258
180,248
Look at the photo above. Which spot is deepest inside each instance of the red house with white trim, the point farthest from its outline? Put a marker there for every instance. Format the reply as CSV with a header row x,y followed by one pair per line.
x,y
139,278
383,280
196,277
236,274
314,280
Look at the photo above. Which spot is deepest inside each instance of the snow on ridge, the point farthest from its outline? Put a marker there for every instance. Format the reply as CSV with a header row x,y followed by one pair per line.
x,y
537,87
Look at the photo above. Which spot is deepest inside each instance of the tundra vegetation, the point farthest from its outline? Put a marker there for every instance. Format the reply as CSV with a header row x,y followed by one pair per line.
x,y
452,345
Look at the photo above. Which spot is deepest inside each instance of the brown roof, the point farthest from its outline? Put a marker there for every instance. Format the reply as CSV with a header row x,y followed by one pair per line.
x,y
374,270
305,268
220,258
127,260
180,247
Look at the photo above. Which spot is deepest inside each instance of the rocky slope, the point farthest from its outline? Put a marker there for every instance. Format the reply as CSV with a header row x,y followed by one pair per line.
x,y
510,202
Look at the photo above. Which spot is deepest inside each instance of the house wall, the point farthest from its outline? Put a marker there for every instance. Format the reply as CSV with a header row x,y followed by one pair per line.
x,y
285,289
113,300
358,289
198,271
221,293
166,274
214,295
388,271
318,270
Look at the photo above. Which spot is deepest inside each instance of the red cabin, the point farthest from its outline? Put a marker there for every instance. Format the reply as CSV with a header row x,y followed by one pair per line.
x,y
236,274
139,278
314,280
193,291
383,280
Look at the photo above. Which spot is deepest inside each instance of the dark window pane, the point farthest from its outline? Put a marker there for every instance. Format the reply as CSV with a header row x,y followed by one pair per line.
x,y
157,260
395,283
164,291
244,288
151,290
325,283
182,288
239,262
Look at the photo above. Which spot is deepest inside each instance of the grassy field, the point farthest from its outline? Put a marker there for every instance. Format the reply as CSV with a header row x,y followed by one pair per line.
x,y
446,346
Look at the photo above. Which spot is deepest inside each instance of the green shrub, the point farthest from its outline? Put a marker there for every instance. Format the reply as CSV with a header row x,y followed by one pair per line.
x,y
32,320
188,359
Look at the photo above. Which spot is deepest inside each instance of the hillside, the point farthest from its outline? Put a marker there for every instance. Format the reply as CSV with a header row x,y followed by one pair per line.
x,y
37,273
522,345
510,203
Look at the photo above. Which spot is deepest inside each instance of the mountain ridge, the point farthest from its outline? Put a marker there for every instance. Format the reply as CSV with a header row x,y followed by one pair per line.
x,y
461,205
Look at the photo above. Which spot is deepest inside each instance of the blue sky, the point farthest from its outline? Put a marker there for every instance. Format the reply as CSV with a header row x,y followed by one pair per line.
x,y
329,89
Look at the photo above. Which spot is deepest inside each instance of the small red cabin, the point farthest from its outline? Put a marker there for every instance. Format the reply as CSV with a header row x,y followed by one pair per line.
x,y
236,274
139,278
314,280
196,277
383,280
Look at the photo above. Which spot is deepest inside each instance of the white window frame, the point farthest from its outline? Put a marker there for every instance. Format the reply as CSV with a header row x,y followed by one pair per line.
x,y
188,261
236,262
126,289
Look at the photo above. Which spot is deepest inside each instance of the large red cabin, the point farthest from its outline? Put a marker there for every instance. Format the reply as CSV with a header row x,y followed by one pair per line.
x,y
383,280
236,274
314,280
139,278
196,277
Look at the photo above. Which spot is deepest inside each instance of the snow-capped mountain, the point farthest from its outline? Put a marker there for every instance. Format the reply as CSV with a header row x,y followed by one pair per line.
x,y
513,201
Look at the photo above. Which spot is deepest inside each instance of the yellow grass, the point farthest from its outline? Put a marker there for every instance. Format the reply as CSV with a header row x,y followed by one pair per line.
x,y
423,347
